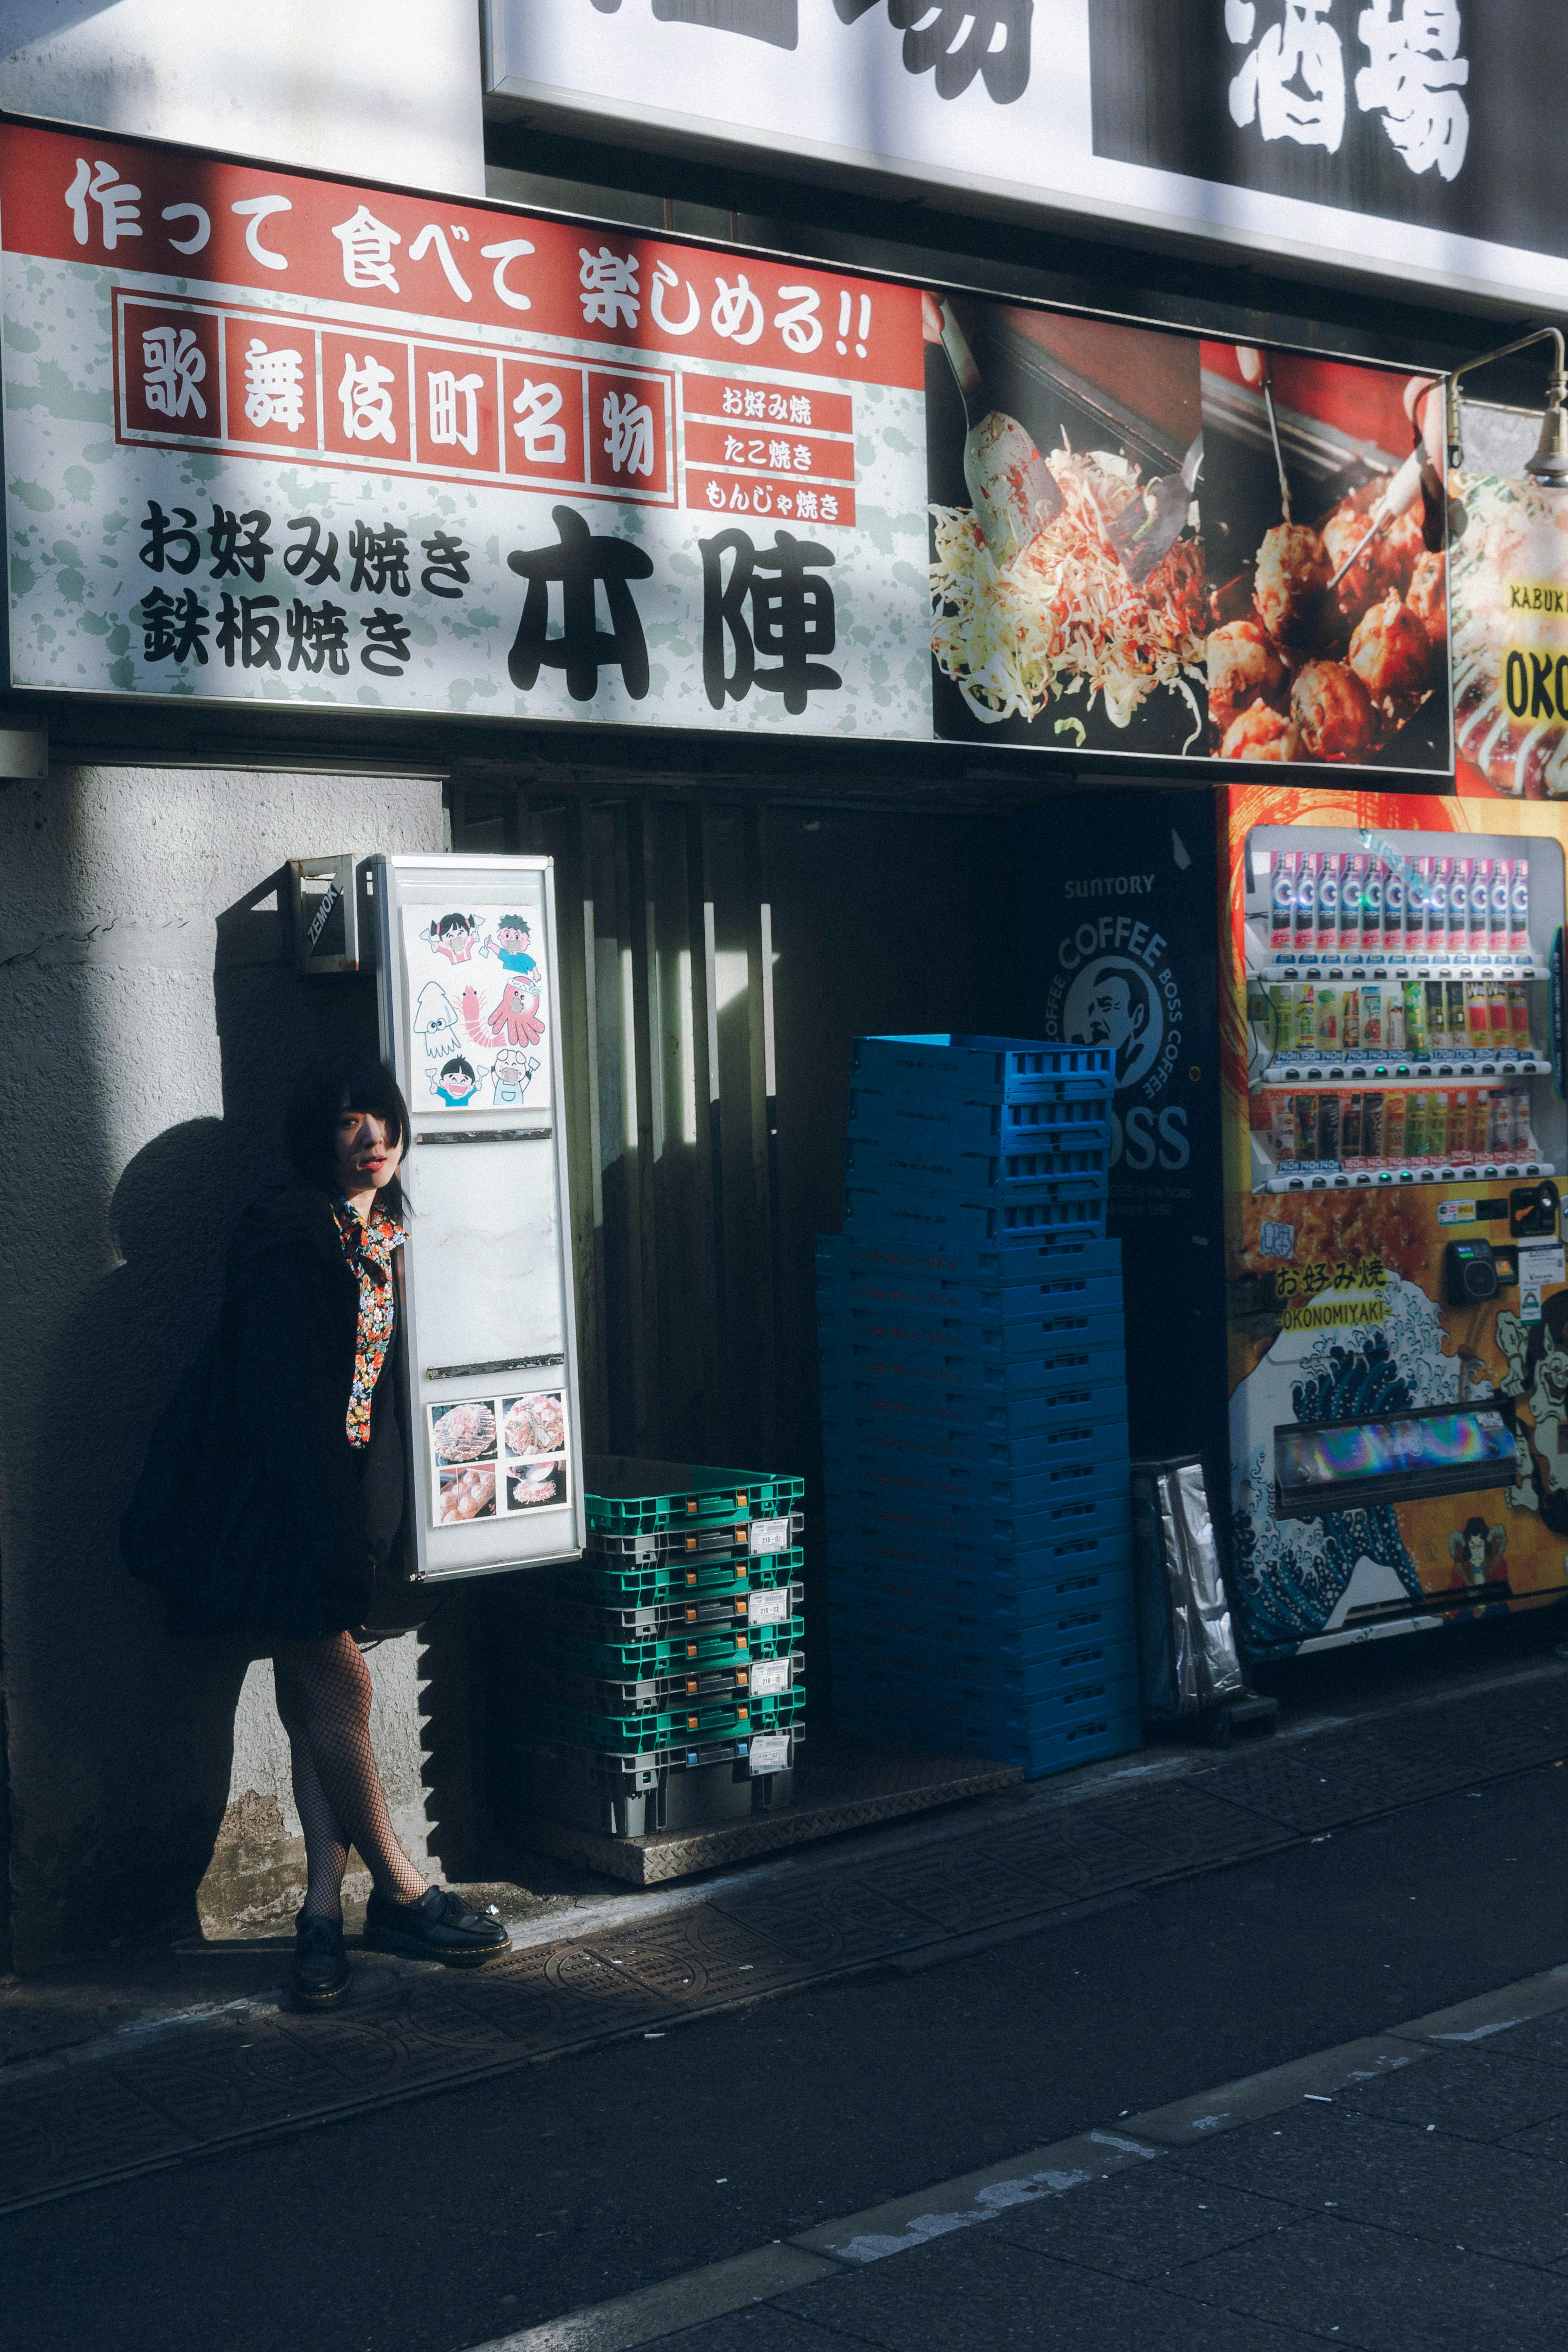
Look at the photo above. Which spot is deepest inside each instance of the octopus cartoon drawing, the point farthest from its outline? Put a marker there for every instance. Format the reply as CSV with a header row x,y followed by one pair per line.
x,y
516,1018
436,1021
514,1021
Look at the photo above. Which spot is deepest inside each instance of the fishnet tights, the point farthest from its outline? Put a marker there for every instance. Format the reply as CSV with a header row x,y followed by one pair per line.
x,y
323,1701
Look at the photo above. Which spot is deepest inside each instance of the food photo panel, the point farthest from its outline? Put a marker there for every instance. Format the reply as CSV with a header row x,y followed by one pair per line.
x,y
1068,595
463,1461
1324,529
533,1438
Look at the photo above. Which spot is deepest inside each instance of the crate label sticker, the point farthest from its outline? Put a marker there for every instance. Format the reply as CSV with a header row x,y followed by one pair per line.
x,y
770,1675
768,1608
769,1535
1456,1213
769,1752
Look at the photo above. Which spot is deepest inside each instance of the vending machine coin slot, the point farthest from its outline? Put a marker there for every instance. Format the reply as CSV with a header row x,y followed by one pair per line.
x,y
1532,1211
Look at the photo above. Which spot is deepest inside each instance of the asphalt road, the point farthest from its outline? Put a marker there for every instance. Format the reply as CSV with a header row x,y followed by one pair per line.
x,y
456,2217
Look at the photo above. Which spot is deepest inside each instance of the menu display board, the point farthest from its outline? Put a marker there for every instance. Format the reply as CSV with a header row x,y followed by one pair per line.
x,y
465,958
274,438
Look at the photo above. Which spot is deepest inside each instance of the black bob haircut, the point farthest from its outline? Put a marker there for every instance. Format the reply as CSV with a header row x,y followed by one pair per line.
x,y
350,1080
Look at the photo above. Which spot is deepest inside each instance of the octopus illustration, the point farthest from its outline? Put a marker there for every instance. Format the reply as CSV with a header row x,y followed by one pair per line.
x,y
514,1022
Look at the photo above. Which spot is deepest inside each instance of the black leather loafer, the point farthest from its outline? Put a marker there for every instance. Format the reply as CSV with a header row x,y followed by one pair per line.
x,y
438,1927
321,1964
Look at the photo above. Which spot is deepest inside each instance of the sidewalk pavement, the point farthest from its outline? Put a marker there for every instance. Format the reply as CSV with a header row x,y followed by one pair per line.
x,y
1404,2193
233,2073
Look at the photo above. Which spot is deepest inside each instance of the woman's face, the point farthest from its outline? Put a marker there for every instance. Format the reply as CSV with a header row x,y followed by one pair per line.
x,y
366,1156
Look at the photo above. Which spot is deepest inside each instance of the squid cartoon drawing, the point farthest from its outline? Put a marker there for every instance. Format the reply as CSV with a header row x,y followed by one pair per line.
x,y
436,1021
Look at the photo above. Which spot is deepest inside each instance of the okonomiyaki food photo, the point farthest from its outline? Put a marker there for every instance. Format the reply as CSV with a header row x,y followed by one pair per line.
x,y
463,1433
1068,599
1509,735
533,1424
529,1484
1324,526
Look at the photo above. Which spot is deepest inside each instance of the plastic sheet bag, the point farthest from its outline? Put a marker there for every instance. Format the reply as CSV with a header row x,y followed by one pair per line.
x,y
1187,1655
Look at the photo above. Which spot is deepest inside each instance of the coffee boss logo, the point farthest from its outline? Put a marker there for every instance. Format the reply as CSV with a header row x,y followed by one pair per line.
x,y
1115,986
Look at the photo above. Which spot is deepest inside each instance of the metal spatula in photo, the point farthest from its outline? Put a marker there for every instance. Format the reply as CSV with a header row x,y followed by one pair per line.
x,y
1013,489
1149,526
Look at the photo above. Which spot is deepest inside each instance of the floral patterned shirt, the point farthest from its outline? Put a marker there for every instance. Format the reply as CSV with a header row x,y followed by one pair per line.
x,y
368,1249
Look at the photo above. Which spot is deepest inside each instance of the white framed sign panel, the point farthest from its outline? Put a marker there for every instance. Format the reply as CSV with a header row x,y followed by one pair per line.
x,y
467,973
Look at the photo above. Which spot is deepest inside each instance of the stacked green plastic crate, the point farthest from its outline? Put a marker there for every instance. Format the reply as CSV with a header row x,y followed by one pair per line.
x,y
974,1407
658,1683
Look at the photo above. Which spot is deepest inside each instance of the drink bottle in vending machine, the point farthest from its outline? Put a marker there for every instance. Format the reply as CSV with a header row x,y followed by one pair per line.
x,y
1337,1185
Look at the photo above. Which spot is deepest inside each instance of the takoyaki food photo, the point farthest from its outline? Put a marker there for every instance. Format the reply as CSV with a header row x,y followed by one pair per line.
x,y
467,1495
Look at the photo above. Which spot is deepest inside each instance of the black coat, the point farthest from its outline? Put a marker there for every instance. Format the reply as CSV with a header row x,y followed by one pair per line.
x,y
253,1509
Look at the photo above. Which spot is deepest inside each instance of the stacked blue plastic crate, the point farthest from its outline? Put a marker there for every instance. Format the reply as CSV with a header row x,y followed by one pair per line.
x,y
974,1407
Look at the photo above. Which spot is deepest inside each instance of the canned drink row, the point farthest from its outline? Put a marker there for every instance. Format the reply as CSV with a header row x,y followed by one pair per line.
x,y
1360,903
1427,1018
1445,1124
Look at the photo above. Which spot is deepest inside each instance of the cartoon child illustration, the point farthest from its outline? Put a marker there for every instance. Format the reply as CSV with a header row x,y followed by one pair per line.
x,y
1476,1551
509,943
454,1083
436,1021
454,937
512,1076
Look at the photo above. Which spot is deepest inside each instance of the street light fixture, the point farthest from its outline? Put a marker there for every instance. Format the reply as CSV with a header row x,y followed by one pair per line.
x,y
1548,466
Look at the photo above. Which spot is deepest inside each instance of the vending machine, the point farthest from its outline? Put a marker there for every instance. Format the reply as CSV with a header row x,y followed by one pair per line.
x,y
1364,1250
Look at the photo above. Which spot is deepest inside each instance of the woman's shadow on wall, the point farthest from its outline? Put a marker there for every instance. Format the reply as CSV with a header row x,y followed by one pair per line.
x,y
141,1745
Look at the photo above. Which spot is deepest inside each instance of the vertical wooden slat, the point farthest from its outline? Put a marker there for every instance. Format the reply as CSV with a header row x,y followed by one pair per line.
x,y
764,1112
652,1208
707,1156
582,1055
628,1355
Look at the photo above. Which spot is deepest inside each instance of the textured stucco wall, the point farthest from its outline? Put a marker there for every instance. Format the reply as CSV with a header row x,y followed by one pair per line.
x,y
387,93
152,1027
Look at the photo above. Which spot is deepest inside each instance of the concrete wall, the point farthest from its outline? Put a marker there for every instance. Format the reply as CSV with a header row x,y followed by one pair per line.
x,y
384,92
151,1028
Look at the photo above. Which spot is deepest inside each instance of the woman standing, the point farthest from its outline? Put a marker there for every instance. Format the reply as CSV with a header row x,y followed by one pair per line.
x,y
273,1490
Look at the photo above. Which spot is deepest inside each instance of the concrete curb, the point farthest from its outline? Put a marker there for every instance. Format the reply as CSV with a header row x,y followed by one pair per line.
x,y
840,2247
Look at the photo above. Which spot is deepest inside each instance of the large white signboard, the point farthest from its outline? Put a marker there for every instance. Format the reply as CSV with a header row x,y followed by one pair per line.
x,y
273,437
1414,138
